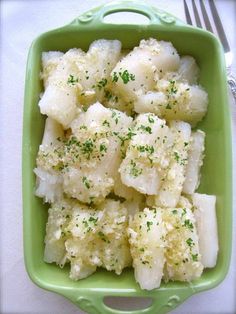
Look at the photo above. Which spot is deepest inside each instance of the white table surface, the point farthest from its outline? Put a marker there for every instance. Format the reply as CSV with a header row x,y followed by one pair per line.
x,y
21,22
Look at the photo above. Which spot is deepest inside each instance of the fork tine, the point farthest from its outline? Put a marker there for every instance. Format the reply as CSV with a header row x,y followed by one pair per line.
x,y
197,17
187,14
219,26
205,17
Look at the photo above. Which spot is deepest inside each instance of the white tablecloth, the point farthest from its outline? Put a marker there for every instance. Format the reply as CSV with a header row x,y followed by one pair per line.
x,y
21,22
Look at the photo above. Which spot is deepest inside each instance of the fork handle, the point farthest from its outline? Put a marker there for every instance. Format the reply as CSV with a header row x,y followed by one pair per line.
x,y
232,83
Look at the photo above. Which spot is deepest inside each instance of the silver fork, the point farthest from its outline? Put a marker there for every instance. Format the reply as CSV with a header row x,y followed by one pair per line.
x,y
220,31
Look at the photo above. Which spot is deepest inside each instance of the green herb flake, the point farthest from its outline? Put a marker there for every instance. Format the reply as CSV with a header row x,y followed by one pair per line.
x,y
147,129
115,77
103,237
184,212
195,257
125,76
87,148
108,95
72,80
172,88
103,148
115,116
134,170
106,123
188,224
146,148
93,220
150,119
86,182
102,83
189,241
85,223
83,127
176,156
149,223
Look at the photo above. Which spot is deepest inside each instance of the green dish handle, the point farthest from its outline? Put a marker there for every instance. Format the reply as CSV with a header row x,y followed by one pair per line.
x,y
163,301
96,16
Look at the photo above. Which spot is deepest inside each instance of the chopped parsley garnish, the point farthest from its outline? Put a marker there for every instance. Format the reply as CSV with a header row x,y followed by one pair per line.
x,y
93,220
83,127
183,161
115,116
146,148
115,77
87,148
146,129
150,119
86,182
190,242
103,148
188,224
176,156
102,83
72,80
105,122
134,170
108,95
130,134
149,223
103,237
85,223
195,257
125,76
184,212
172,88
174,211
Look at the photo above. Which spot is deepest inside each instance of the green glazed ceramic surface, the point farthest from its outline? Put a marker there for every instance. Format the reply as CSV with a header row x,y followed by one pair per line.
x,y
89,293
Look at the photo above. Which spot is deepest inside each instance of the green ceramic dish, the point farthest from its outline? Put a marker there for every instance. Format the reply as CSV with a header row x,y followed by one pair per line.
x,y
89,293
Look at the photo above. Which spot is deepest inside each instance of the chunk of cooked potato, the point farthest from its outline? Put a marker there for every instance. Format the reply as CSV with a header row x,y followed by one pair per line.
x,y
136,73
172,184
195,161
174,101
48,176
205,214
147,233
144,163
93,153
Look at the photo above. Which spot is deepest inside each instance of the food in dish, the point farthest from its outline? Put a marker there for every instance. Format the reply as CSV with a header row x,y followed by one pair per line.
x,y
119,162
